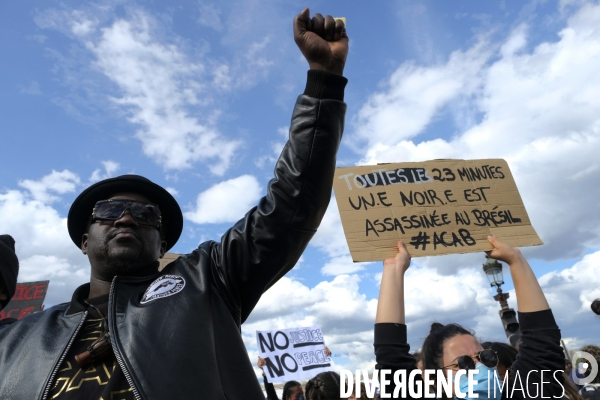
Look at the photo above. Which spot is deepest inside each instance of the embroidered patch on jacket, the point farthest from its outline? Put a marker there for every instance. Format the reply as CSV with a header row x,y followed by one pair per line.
x,y
165,286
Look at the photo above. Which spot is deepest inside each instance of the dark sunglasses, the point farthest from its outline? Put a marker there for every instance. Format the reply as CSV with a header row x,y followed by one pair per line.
x,y
488,357
142,213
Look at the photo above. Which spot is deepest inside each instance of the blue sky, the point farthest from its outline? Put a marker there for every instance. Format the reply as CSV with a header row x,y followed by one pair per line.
x,y
197,96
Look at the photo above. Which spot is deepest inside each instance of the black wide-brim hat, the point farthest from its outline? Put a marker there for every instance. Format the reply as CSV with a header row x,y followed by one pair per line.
x,y
81,209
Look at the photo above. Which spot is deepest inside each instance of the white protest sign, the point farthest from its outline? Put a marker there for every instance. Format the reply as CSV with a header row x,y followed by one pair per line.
x,y
293,354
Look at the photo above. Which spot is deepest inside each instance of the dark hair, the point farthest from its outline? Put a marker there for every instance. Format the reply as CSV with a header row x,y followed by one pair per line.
x,y
432,351
596,306
506,354
287,389
324,386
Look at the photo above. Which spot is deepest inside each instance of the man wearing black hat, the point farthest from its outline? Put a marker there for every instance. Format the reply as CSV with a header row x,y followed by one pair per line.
x,y
134,332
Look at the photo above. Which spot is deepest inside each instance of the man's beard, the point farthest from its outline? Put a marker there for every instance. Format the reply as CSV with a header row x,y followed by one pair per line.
x,y
120,264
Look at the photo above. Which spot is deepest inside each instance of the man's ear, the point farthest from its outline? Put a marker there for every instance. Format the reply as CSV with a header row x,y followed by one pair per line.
x,y
84,243
163,248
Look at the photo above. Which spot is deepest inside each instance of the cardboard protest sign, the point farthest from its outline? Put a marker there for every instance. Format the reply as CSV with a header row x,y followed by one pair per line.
x,y
28,299
435,207
293,354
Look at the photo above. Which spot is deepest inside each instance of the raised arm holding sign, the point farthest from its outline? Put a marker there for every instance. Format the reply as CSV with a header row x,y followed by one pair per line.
x,y
450,350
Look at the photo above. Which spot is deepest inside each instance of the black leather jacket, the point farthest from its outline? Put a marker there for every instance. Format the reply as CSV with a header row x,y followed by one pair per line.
x,y
188,345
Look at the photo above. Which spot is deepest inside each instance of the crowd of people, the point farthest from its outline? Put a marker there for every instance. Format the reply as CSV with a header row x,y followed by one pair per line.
x,y
134,332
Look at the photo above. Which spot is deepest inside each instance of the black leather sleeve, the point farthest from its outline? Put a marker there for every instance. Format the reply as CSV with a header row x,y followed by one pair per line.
x,y
264,245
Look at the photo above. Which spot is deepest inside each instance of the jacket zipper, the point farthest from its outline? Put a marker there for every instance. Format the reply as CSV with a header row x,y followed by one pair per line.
x,y
116,350
62,357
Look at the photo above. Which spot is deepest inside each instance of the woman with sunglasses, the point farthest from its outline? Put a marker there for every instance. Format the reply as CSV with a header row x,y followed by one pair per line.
x,y
453,348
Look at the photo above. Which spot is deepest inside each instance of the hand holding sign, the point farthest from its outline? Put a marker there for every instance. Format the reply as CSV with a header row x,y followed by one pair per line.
x,y
503,252
434,207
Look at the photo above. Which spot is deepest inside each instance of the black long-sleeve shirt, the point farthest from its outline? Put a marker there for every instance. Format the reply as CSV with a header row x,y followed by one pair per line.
x,y
539,351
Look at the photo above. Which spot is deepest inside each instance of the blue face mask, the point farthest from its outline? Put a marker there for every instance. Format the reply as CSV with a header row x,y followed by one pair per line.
x,y
486,379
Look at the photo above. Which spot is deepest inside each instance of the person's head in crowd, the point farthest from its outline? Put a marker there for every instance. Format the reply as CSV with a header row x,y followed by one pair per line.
x,y
452,347
292,390
596,306
595,352
506,356
9,269
324,386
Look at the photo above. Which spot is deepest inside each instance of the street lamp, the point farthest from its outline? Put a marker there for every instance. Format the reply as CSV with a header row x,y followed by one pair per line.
x,y
493,270
508,316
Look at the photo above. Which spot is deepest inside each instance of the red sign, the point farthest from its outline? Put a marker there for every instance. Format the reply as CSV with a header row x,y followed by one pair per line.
x,y
28,299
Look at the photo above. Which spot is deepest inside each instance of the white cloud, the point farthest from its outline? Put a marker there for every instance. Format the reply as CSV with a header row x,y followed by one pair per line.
x,y
463,297
539,110
345,316
415,95
63,274
570,293
58,182
276,149
330,235
226,201
342,265
330,239
43,245
165,91
172,190
110,167
156,79
210,16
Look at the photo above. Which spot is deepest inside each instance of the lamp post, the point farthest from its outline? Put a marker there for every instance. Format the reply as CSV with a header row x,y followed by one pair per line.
x,y
493,271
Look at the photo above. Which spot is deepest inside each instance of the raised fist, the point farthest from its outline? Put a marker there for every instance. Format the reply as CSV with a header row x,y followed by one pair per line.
x,y
322,41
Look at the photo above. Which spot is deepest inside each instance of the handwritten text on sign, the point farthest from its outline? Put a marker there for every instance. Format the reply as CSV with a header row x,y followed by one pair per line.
x,y
434,207
28,299
293,354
